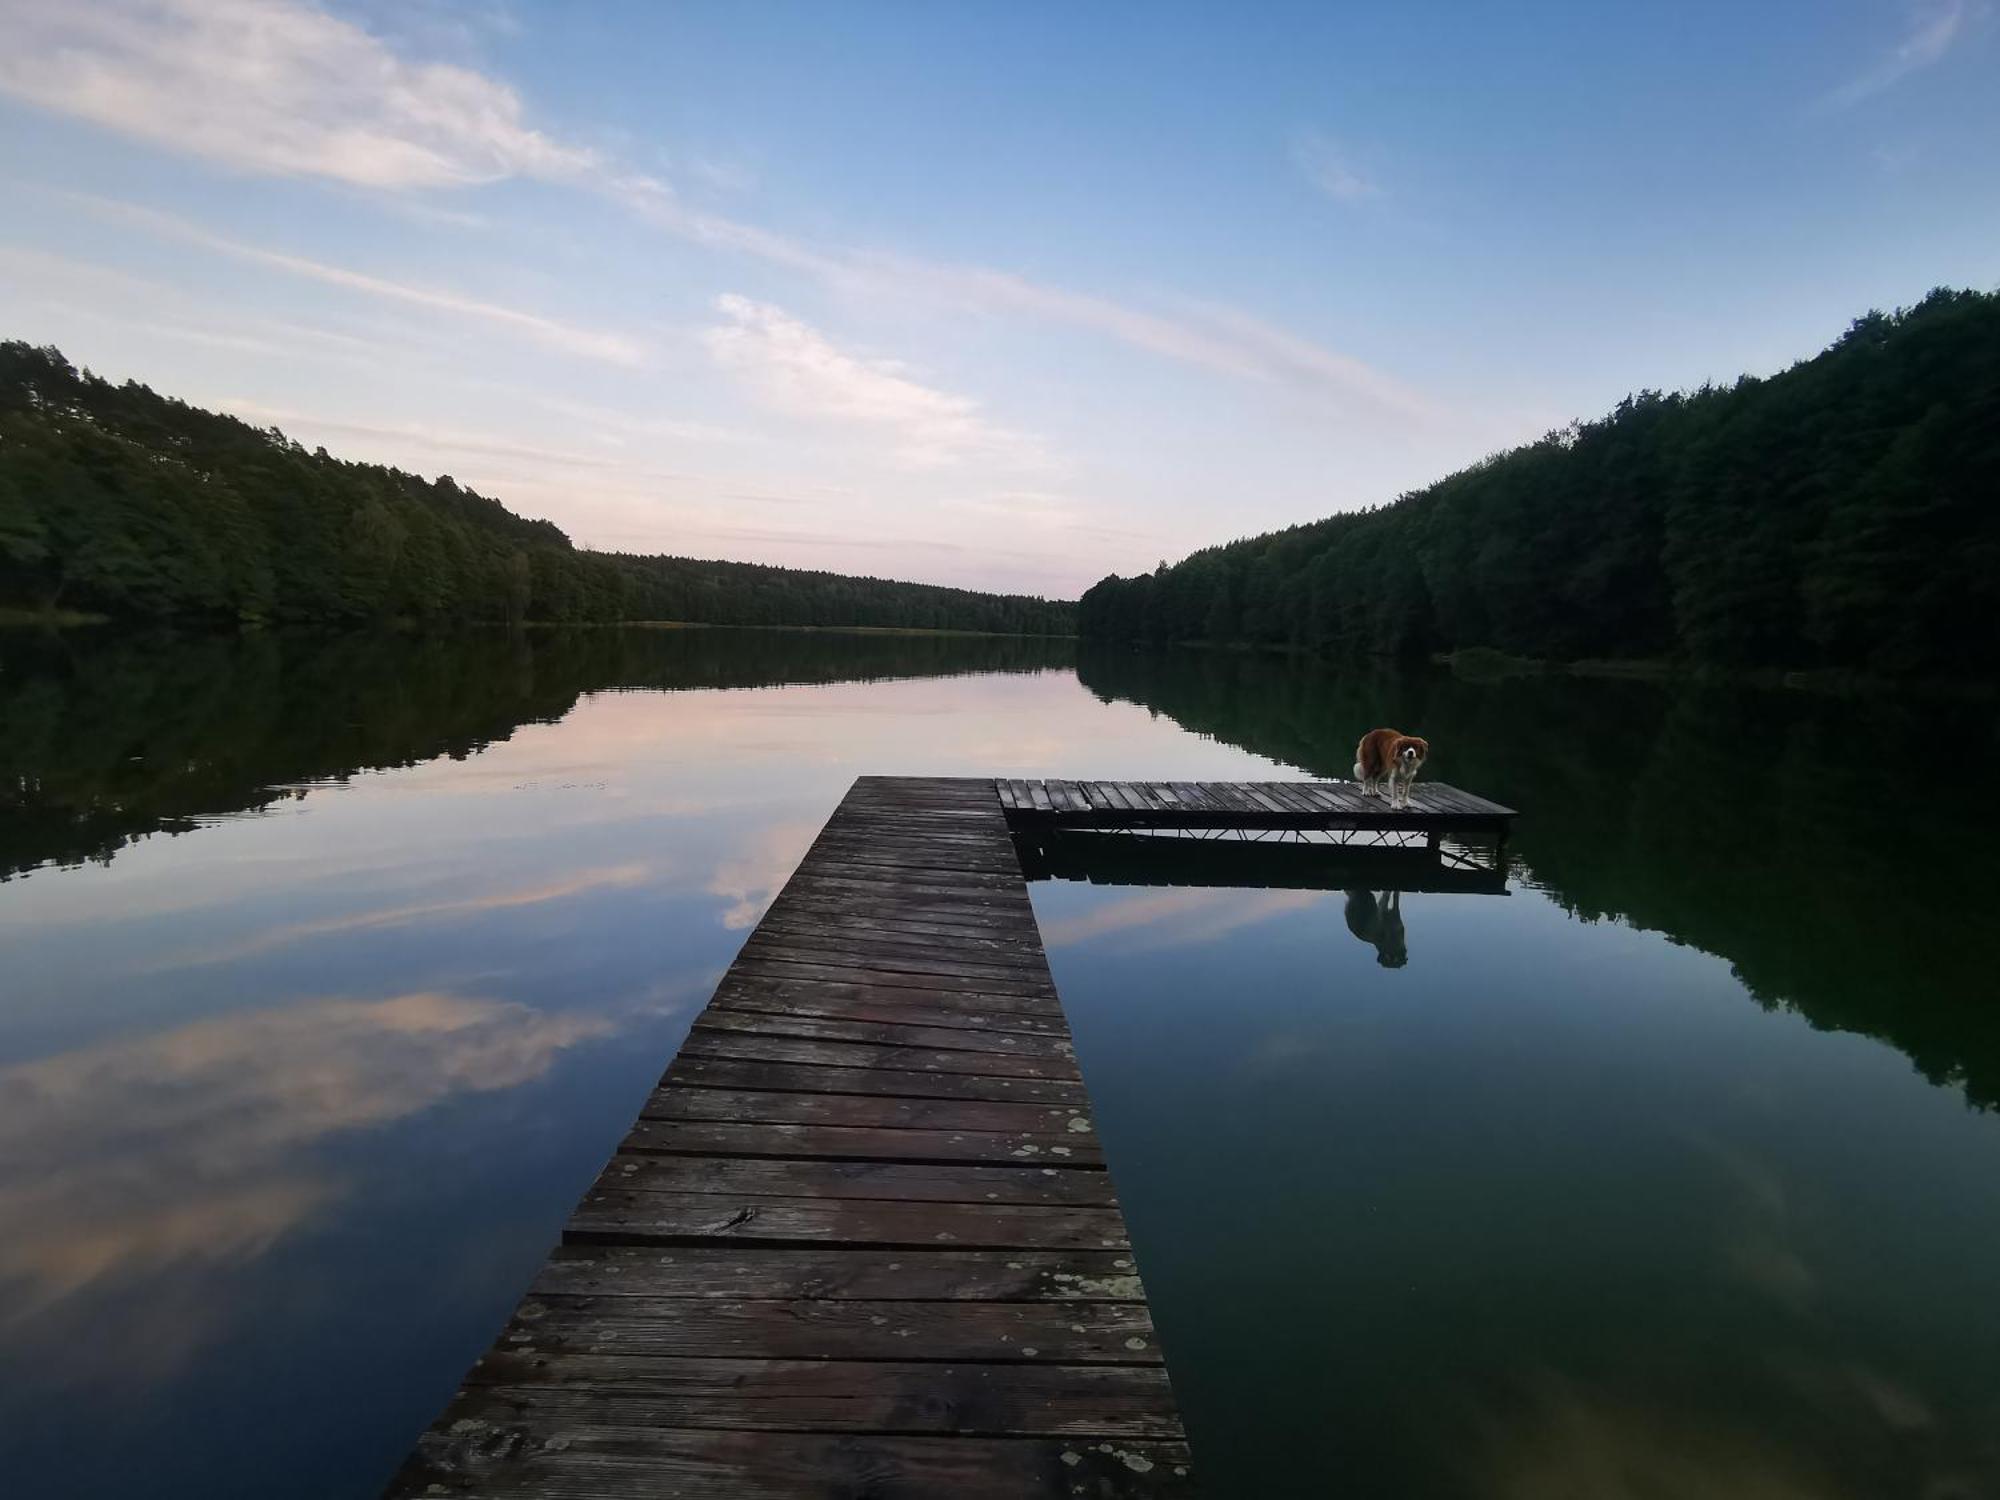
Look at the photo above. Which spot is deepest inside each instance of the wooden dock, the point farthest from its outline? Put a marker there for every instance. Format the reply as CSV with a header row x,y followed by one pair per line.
x,y
861,1243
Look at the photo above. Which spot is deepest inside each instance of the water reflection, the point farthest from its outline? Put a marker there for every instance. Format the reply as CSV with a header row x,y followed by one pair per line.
x,y
1828,895
1378,921
106,737
190,1148
291,1103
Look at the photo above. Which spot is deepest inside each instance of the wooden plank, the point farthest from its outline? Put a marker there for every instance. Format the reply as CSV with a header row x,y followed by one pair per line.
x,y
1114,1333
971,941
887,952
936,1275
719,1105
804,1078
985,1400
905,999
953,1013
1035,1057
870,911
645,1218
806,987
771,965
892,1025
860,1142
925,1182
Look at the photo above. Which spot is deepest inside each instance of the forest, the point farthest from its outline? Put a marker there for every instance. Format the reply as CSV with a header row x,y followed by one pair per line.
x,y
115,500
1839,516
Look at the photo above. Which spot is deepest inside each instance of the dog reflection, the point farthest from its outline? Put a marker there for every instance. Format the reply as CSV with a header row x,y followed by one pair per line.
x,y
1378,922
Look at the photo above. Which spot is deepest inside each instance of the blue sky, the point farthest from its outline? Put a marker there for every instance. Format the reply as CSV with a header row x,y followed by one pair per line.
x,y
1002,295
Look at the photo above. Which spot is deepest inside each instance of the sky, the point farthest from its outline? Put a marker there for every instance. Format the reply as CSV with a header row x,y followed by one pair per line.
x,y
1008,296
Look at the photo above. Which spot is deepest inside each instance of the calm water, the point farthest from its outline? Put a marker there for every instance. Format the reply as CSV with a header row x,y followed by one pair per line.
x,y
329,974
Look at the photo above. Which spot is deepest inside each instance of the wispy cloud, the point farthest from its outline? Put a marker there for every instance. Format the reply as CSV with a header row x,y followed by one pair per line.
x,y
279,87
795,369
274,88
588,342
1221,339
1330,167
1934,30
444,440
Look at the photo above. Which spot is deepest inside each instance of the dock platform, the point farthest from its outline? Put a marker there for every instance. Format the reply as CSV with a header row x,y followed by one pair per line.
x,y
861,1243
1251,805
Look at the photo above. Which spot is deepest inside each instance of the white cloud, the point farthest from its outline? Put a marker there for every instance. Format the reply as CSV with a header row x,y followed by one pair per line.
x,y
795,369
273,87
1934,30
278,87
1329,168
588,342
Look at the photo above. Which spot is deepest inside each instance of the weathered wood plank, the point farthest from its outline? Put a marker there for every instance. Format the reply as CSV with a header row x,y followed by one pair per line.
x,y
1117,1333
806,987
737,1073
860,1142
593,1462
866,1112
936,1275
927,1024
902,957
636,1218
911,1035
707,1041
999,1400
772,966
902,1181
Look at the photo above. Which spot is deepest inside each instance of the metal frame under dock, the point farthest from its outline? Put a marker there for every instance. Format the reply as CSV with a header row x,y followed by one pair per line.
x,y
861,1243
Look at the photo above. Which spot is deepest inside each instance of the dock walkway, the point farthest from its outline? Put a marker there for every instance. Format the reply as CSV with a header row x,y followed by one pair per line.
x,y
861,1241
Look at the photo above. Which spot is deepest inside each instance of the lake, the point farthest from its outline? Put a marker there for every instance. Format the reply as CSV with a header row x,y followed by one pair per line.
x,y
333,970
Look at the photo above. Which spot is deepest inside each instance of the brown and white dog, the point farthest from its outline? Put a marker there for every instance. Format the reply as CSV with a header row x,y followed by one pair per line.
x,y
1387,761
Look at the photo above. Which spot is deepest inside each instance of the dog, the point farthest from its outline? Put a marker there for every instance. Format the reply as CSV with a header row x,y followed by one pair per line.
x,y
1387,761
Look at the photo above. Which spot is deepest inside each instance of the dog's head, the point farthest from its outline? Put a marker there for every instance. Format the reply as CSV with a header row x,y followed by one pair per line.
x,y
1409,752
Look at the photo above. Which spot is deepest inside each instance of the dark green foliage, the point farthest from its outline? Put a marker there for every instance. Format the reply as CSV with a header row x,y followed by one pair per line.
x,y
1840,515
118,500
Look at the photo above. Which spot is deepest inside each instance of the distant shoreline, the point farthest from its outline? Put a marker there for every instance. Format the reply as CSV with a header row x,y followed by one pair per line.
x,y
14,617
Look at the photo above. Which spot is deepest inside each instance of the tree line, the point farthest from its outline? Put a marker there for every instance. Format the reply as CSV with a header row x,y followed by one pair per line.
x,y
1840,515
117,500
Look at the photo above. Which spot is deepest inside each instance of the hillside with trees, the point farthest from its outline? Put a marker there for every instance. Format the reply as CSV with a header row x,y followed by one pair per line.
x,y
116,500
1840,515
